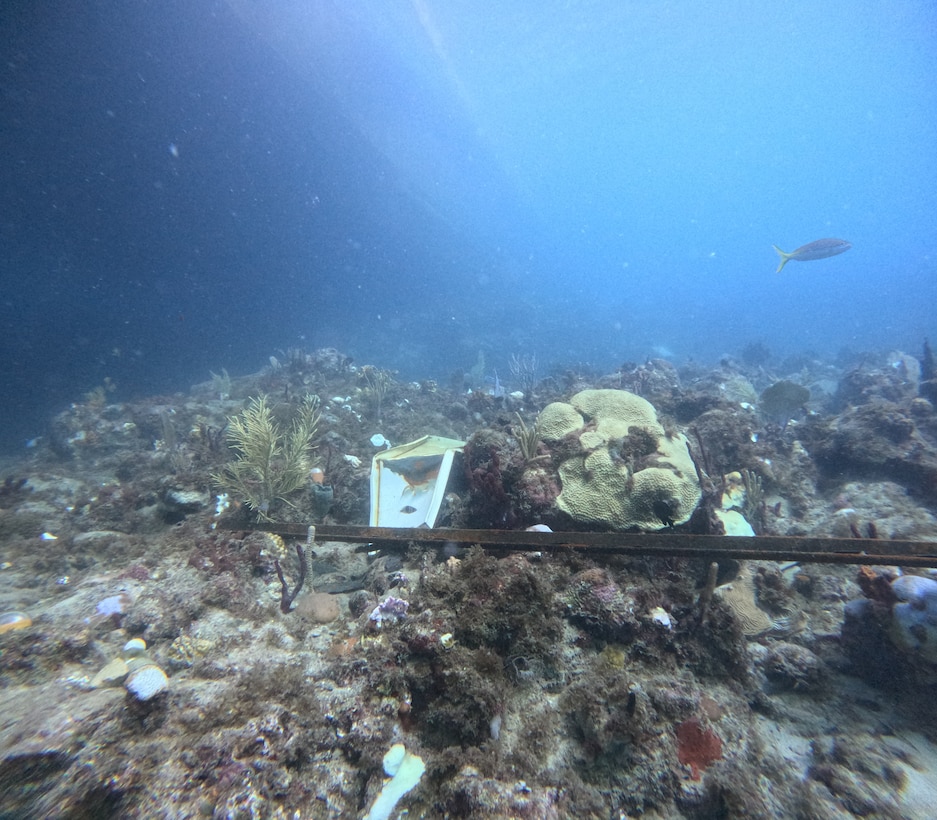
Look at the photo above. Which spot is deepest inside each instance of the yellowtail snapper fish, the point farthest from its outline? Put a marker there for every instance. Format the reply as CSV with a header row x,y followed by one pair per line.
x,y
820,249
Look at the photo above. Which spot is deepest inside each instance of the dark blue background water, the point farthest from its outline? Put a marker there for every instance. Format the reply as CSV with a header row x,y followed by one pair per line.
x,y
189,185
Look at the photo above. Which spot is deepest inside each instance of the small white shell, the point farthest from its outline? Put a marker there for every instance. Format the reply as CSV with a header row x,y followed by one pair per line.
x,y
662,616
147,682
134,647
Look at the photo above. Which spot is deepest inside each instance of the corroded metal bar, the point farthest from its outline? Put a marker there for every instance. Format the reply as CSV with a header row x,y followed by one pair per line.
x,y
659,544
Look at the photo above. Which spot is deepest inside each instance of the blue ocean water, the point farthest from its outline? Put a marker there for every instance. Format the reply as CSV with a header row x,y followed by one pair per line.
x,y
196,186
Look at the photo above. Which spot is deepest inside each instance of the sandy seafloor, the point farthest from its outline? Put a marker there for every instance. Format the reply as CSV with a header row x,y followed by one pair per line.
x,y
531,685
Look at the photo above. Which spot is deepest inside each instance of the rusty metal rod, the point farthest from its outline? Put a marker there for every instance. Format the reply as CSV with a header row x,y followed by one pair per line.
x,y
658,544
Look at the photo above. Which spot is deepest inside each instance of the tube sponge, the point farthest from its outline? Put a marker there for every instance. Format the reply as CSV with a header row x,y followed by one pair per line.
x,y
914,616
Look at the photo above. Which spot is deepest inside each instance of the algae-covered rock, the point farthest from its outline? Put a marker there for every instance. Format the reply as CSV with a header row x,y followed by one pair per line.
x,y
629,472
782,401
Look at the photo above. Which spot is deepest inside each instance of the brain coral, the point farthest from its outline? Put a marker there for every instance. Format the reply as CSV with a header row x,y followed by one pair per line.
x,y
557,420
627,469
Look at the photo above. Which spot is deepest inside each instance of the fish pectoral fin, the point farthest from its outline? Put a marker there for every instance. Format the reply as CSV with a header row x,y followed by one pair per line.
x,y
785,257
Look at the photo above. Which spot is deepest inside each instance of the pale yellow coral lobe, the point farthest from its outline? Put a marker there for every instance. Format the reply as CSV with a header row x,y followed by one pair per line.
x,y
599,487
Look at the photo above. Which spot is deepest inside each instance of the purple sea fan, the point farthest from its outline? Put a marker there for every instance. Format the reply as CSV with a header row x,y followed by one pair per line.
x,y
391,609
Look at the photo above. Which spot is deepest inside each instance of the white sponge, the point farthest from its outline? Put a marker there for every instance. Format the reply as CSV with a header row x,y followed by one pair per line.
x,y
404,770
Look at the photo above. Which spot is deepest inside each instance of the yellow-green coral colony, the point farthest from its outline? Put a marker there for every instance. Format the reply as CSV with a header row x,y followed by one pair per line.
x,y
626,466
185,650
274,545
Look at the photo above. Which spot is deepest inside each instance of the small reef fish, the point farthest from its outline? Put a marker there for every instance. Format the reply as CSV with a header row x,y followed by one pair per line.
x,y
820,249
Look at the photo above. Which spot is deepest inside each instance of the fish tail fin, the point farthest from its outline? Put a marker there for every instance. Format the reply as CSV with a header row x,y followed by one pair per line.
x,y
784,258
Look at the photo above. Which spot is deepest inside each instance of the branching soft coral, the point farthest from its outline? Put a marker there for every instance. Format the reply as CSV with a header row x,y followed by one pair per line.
x,y
271,463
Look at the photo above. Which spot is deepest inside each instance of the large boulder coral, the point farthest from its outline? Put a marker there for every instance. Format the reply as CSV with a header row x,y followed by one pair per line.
x,y
881,440
914,616
890,635
620,467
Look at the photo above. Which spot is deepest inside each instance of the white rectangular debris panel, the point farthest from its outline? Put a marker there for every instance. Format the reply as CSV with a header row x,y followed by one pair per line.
x,y
408,482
